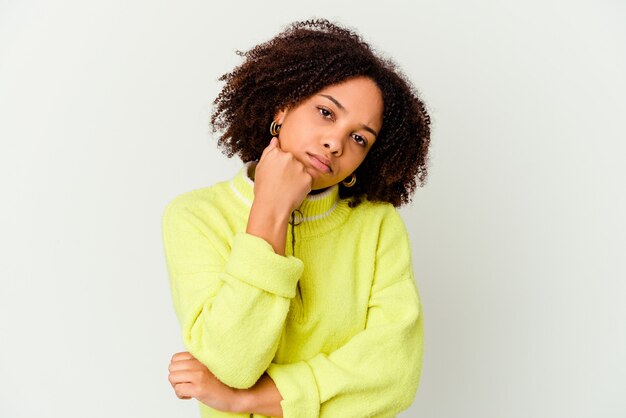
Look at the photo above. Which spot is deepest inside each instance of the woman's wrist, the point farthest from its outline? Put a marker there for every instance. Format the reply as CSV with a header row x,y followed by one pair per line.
x,y
241,402
262,398
277,210
269,224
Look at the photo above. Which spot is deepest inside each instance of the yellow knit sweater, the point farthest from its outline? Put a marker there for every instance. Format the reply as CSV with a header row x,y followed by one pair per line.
x,y
348,343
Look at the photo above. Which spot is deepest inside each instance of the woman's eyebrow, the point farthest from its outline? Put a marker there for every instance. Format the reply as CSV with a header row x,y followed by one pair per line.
x,y
335,101
367,128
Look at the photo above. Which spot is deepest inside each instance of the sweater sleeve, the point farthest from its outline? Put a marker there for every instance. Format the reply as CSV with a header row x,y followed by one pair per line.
x,y
230,290
376,373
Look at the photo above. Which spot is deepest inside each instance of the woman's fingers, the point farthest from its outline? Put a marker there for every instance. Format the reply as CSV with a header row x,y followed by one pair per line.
x,y
185,371
184,355
180,363
189,379
184,390
182,376
191,364
281,180
188,371
273,144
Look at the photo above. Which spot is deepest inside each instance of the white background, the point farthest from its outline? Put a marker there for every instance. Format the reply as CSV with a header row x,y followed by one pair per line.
x,y
518,237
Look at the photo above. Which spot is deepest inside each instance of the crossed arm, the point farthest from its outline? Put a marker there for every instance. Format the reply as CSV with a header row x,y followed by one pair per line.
x,y
191,379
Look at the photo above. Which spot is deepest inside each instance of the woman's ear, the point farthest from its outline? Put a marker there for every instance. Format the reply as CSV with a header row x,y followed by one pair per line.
x,y
279,116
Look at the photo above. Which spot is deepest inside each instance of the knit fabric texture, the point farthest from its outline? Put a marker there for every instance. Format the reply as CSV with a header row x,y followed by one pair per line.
x,y
347,342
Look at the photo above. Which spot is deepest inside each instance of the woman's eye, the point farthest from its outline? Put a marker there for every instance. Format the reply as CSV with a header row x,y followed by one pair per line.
x,y
325,112
360,140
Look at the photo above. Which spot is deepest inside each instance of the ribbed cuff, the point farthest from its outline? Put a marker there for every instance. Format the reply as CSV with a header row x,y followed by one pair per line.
x,y
297,386
253,261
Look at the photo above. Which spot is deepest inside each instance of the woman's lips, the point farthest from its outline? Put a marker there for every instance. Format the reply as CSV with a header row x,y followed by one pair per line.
x,y
318,162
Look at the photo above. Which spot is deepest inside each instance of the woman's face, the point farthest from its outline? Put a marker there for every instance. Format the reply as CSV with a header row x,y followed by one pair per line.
x,y
332,131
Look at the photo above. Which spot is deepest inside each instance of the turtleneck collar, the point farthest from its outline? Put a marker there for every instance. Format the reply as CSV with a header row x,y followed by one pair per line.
x,y
320,212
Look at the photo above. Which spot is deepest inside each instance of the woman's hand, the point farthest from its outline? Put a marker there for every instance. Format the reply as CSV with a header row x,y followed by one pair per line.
x,y
192,379
280,179
280,185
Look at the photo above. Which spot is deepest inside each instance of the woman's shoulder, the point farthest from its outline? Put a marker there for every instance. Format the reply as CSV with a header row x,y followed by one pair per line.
x,y
377,218
204,202
377,210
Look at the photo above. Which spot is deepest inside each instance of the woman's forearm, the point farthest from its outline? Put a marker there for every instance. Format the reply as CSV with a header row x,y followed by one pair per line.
x,y
269,223
262,398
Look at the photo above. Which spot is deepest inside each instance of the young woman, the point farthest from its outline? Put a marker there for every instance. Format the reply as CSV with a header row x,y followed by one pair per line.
x,y
293,281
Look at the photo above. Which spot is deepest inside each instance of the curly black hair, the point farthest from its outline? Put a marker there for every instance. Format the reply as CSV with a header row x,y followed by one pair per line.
x,y
302,60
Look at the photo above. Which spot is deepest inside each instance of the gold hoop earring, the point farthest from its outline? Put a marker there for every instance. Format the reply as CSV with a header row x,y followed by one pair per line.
x,y
274,128
351,182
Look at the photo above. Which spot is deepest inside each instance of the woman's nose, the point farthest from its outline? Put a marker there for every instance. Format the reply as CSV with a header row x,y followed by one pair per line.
x,y
334,145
